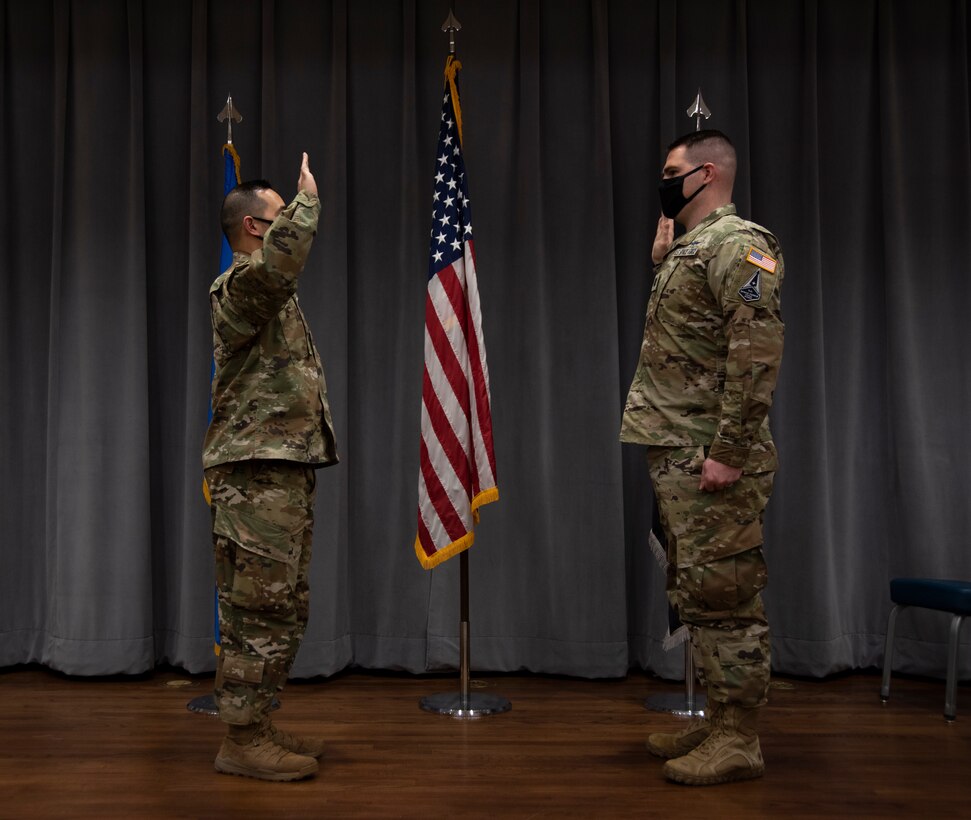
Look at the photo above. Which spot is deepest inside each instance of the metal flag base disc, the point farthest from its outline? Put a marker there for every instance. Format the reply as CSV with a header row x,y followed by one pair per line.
x,y
474,706
206,705
677,704
687,705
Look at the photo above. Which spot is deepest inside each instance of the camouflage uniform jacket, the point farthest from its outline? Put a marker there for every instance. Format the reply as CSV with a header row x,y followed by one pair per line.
x,y
712,343
269,398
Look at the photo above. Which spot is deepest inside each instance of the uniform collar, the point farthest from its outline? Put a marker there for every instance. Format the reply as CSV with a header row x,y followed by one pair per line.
x,y
708,221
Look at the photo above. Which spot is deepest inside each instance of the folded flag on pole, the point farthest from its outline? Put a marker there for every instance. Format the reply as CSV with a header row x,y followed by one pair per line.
x,y
230,181
677,632
457,472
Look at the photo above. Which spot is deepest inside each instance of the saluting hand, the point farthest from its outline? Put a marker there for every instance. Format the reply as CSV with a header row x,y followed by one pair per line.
x,y
306,181
663,239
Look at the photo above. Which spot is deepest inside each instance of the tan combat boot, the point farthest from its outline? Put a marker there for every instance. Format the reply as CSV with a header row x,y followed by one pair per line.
x,y
676,744
730,752
249,752
299,744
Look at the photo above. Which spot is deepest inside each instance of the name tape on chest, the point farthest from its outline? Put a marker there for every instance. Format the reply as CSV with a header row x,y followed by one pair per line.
x,y
688,250
760,260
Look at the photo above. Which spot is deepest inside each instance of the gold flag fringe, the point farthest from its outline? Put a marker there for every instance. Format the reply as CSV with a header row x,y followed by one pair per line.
x,y
452,67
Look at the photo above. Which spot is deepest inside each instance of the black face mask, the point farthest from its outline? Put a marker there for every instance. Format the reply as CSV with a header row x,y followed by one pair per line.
x,y
671,190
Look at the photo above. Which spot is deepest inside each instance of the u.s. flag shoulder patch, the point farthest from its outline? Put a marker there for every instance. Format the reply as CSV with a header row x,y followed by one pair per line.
x,y
760,260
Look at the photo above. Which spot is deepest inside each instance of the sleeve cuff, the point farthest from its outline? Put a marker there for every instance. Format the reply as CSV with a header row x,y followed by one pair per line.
x,y
728,454
304,210
307,198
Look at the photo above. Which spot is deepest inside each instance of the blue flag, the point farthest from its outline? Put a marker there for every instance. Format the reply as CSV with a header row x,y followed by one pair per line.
x,y
230,181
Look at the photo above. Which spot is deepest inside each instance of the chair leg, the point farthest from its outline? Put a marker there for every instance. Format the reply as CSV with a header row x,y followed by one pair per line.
x,y
888,653
950,691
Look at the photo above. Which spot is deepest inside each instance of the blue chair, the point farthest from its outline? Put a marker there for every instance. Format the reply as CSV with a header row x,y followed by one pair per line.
x,y
944,596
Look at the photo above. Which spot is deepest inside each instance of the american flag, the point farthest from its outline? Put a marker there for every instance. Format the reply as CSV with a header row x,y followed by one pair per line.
x,y
458,467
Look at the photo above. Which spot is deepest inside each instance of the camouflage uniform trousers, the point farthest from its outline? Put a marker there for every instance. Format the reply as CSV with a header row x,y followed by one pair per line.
x,y
717,570
262,513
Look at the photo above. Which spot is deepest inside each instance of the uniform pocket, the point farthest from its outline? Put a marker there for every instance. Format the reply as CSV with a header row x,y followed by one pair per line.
x,y
740,653
712,545
266,562
727,584
242,668
257,535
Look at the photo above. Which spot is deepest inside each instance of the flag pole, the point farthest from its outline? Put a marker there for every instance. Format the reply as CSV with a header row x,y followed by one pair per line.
x,y
686,705
464,704
206,704
689,705
464,648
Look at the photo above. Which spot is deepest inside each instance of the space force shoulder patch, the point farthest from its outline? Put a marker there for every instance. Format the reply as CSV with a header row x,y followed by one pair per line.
x,y
751,291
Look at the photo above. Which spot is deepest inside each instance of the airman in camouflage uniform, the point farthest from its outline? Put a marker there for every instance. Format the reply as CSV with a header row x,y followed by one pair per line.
x,y
270,428
699,400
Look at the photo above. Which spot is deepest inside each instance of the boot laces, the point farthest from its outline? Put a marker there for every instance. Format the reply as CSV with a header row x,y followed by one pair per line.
x,y
696,724
287,741
710,743
280,736
275,752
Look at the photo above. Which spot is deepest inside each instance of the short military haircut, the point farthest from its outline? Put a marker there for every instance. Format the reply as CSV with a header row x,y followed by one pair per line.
x,y
709,145
243,200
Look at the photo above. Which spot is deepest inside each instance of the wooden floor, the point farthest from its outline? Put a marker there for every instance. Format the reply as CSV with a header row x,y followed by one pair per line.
x,y
568,748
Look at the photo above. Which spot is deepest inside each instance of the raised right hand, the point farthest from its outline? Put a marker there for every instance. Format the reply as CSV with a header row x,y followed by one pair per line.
x,y
306,181
662,239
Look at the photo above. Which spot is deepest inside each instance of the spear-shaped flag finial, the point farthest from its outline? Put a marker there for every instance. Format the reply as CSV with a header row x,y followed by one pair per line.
x,y
698,109
229,114
450,26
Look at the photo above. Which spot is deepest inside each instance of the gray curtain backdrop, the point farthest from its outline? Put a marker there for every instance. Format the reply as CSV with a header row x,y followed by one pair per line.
x,y
852,125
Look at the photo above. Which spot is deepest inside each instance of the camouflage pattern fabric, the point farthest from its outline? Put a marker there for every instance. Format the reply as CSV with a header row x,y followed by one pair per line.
x,y
269,397
717,570
712,342
262,513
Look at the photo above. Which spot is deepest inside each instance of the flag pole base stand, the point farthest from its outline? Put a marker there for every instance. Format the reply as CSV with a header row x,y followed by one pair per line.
x,y
677,704
476,705
206,705
689,704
